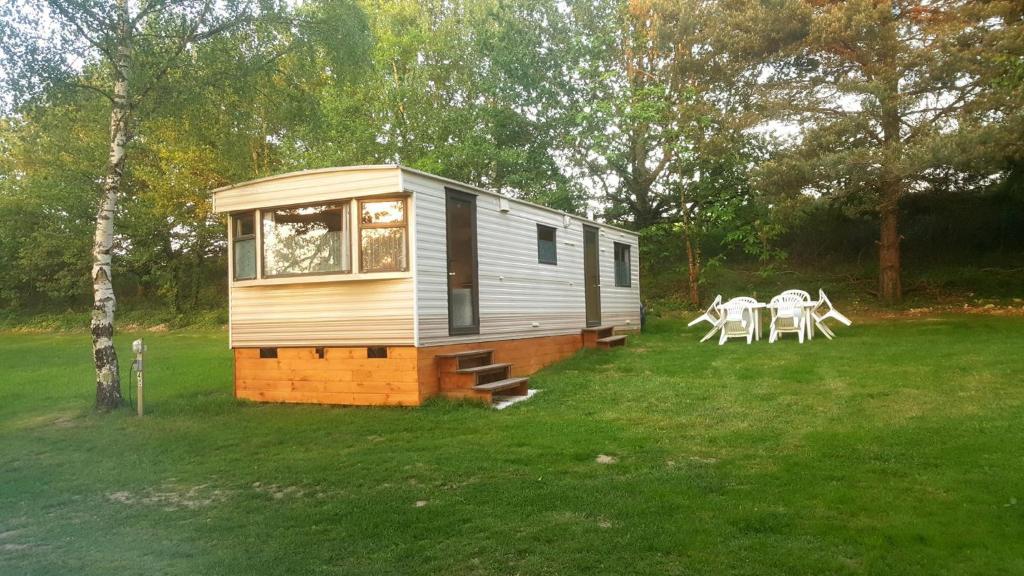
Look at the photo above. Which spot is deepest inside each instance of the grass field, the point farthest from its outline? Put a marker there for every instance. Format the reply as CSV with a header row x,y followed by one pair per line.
x,y
896,449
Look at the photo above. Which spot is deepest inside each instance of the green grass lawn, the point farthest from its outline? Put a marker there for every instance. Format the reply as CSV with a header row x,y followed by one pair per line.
x,y
896,449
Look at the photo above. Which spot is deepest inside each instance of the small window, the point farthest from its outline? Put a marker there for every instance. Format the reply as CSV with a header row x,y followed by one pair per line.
x,y
377,352
320,352
244,245
622,266
307,240
268,352
547,251
383,246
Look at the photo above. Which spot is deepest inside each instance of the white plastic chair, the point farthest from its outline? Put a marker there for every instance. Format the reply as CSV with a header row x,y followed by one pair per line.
x,y
788,316
755,311
712,315
797,293
805,297
737,321
823,311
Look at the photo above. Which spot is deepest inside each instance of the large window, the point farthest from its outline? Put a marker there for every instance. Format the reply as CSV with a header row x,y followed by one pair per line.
x,y
382,236
308,240
547,250
244,248
622,265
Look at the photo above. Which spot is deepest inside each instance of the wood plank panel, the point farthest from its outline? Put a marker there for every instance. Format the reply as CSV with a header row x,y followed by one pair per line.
x,y
343,376
344,398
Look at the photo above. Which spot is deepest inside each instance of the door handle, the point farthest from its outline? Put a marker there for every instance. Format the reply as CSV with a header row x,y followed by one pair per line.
x,y
451,273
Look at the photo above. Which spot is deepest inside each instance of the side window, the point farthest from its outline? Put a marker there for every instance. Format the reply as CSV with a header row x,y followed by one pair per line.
x,y
383,246
244,245
547,251
622,265
306,240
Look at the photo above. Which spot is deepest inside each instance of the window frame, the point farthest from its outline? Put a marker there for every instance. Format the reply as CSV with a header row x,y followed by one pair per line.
x,y
554,243
237,237
345,221
404,225
628,261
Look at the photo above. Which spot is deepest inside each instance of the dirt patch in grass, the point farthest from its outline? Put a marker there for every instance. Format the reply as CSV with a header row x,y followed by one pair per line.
x,y
65,419
172,497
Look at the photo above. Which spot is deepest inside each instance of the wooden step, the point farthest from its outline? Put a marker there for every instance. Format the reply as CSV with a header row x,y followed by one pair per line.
x,y
593,334
515,386
467,359
465,353
485,374
484,368
611,341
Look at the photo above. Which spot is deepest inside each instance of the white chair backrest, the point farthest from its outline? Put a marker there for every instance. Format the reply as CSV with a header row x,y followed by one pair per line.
x,y
734,313
735,308
713,308
823,300
785,304
804,296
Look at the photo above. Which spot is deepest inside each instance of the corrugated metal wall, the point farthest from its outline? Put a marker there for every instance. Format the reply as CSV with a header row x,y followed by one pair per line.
x,y
308,188
619,306
515,290
348,313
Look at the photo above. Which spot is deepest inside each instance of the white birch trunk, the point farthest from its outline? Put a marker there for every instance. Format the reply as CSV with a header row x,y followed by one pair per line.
x,y
108,381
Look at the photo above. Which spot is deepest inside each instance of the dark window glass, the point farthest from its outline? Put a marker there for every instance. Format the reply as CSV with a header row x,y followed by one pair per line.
x,y
244,245
622,265
547,251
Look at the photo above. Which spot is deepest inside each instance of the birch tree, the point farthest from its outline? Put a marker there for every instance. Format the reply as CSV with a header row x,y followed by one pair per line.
x,y
122,51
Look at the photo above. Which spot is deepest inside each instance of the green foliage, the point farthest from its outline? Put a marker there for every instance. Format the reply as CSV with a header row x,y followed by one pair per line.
x,y
652,114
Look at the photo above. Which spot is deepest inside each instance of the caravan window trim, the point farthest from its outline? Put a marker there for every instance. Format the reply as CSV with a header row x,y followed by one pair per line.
x,y
237,236
623,265
541,258
344,206
404,225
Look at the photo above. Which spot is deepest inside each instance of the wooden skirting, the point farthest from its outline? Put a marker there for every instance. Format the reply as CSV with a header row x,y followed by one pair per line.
x,y
407,377
342,376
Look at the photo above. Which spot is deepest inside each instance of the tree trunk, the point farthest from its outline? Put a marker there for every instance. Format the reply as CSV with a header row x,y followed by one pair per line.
x,y
889,286
693,269
891,185
108,380
692,255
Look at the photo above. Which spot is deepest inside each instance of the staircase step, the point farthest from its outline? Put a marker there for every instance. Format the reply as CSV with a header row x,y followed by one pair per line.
x,y
465,354
466,359
502,384
485,368
593,335
612,341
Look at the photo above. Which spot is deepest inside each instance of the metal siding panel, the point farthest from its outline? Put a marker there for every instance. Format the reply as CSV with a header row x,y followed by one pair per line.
x,y
309,188
515,289
329,314
619,306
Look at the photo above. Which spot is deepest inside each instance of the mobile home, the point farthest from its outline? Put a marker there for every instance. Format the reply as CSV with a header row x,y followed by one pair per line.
x,y
371,285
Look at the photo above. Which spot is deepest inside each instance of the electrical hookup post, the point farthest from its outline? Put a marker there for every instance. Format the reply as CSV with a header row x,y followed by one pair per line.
x,y
138,347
